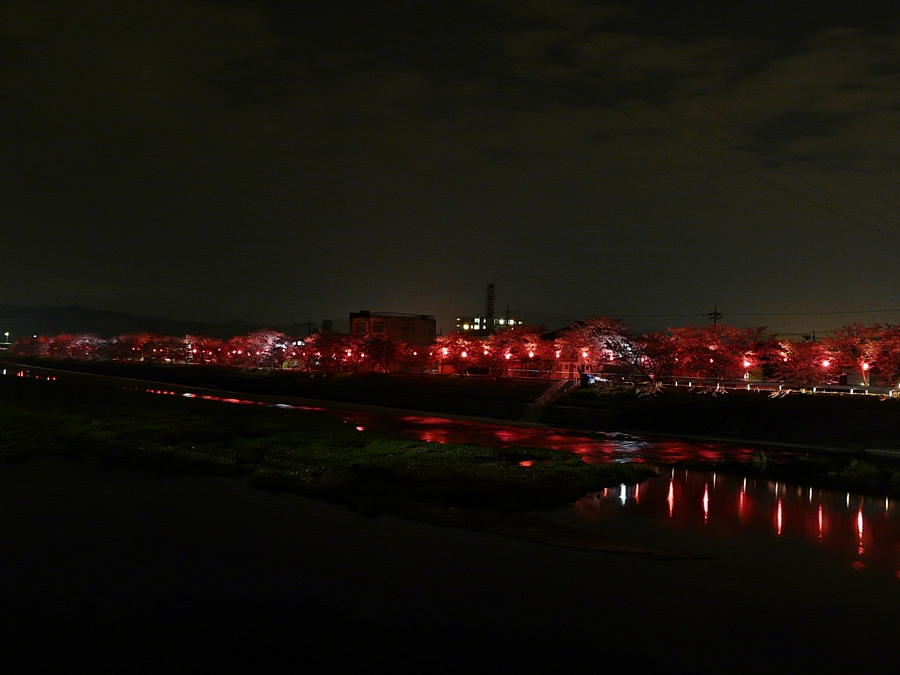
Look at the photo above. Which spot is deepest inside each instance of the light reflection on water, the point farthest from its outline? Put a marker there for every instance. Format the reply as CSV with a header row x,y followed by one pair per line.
x,y
860,532
592,447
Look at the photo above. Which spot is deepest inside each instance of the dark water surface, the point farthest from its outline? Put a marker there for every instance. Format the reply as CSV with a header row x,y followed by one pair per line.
x,y
700,510
113,571
684,509
117,571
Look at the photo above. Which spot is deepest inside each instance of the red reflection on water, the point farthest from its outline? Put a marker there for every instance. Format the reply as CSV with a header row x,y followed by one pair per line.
x,y
859,529
637,494
237,401
435,436
593,448
706,503
671,498
750,510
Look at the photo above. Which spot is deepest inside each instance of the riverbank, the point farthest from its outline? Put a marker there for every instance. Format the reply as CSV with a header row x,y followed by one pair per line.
x,y
328,457
827,422
502,399
802,421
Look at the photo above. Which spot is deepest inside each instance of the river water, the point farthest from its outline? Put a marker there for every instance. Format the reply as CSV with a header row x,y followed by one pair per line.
x,y
700,510
107,571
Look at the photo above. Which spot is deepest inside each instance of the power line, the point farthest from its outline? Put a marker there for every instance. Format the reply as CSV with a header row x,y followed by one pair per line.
x,y
662,132
686,314
857,311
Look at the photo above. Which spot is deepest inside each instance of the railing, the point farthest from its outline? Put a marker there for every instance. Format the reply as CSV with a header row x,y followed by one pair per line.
x,y
779,387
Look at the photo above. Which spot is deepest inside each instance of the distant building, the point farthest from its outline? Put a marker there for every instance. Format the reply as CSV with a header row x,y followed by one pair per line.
x,y
413,329
480,325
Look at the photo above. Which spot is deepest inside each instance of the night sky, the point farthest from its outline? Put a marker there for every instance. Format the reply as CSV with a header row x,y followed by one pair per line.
x,y
274,161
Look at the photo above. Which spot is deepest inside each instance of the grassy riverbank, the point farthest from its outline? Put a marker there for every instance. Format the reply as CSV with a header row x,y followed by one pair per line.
x,y
474,396
841,422
320,456
828,421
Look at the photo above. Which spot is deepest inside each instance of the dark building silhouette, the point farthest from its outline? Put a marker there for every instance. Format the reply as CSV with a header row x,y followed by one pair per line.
x,y
413,329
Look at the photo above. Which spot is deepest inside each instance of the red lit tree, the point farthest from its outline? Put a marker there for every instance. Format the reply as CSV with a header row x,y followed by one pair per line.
x,y
30,346
602,340
461,352
418,357
654,355
324,351
889,354
856,346
520,352
203,350
803,364
718,351
381,353
236,352
266,348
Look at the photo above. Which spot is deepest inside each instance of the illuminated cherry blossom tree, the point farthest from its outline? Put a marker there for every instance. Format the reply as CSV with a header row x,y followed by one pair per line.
x,y
856,346
460,351
803,363
718,351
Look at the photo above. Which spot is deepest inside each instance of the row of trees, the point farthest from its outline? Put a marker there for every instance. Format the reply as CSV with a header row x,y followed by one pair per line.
x,y
598,344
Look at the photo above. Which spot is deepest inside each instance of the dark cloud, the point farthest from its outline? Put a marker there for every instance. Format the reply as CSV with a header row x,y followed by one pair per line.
x,y
269,160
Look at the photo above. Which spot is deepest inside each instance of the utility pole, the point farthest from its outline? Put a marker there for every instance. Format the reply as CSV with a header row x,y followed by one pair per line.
x,y
309,327
715,315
